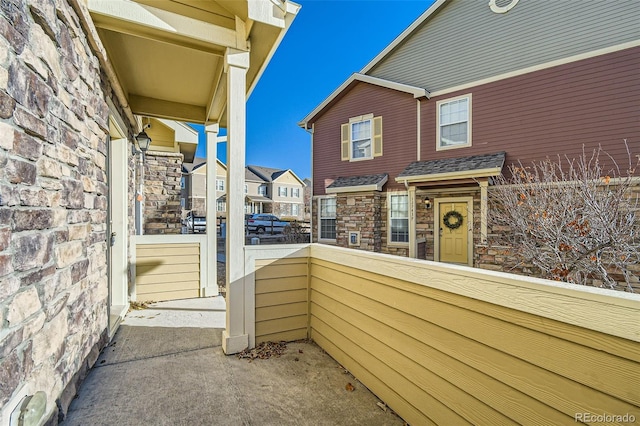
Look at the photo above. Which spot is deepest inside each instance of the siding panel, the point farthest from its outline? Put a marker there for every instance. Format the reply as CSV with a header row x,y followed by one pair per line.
x,y
552,112
465,41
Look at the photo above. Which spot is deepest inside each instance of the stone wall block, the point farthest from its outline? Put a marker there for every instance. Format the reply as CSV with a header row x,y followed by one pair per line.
x,y
34,197
38,276
32,219
44,14
32,250
66,254
9,377
27,146
50,339
7,106
7,134
5,237
30,123
24,304
18,171
73,194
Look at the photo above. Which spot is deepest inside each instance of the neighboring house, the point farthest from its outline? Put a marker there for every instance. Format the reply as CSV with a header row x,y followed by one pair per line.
x,y
266,190
463,92
77,81
307,198
194,187
283,188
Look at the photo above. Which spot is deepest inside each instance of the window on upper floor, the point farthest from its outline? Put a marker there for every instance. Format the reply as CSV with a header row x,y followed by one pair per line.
x,y
219,184
282,191
453,128
262,190
295,192
361,138
327,213
246,188
398,218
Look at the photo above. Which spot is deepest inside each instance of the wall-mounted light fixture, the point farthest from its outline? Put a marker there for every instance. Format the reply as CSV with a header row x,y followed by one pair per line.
x,y
143,140
427,203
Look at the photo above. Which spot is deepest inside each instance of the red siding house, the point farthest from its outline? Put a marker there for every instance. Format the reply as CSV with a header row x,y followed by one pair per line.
x,y
465,91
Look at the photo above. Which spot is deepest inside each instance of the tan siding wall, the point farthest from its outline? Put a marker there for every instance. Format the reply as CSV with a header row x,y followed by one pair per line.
x,y
444,357
167,271
281,299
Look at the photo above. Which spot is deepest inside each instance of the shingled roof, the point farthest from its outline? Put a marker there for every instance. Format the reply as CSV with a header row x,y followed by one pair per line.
x,y
489,163
358,183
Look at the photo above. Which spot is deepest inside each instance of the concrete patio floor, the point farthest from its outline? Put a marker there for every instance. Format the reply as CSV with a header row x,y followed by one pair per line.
x,y
165,366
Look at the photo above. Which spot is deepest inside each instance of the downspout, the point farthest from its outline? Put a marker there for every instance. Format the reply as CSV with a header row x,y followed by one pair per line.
x,y
418,129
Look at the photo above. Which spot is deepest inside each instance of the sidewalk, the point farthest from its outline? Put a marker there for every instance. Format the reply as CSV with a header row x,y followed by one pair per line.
x,y
165,366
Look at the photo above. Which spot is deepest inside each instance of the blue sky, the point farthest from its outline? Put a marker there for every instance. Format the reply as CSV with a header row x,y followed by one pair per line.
x,y
327,42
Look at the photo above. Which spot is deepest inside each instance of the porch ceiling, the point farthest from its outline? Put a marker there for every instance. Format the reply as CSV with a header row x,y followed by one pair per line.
x,y
168,55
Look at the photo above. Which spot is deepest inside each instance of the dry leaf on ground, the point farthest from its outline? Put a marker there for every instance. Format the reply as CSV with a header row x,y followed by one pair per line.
x,y
350,387
264,350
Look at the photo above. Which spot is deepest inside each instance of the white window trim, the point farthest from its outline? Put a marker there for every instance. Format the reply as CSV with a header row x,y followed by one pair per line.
x,y
359,119
320,239
396,243
223,184
469,115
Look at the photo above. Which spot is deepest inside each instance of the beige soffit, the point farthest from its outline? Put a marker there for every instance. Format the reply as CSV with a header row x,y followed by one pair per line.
x,y
360,188
168,55
417,92
406,33
465,174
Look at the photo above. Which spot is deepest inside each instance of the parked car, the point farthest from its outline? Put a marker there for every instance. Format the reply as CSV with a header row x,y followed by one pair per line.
x,y
262,222
195,224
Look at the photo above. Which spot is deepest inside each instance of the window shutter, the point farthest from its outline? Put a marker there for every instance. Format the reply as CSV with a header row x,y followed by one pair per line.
x,y
377,136
345,142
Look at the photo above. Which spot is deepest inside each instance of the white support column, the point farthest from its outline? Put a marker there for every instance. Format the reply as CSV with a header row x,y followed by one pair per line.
x,y
235,337
210,288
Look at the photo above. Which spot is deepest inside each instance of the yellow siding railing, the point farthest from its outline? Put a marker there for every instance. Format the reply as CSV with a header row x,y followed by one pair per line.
x,y
445,344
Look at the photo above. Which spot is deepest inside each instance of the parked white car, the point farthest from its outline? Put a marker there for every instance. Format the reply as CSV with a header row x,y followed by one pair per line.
x,y
263,222
195,224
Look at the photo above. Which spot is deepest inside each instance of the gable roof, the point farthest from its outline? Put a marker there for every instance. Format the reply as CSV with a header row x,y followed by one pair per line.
x,y
473,166
251,176
270,175
417,92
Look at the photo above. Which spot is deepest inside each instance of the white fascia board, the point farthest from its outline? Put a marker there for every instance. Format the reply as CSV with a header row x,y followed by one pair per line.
x,y
360,188
426,15
224,166
292,10
495,171
417,92
184,133
293,174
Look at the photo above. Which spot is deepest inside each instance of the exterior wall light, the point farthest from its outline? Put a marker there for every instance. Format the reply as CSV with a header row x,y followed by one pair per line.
x,y
143,141
427,203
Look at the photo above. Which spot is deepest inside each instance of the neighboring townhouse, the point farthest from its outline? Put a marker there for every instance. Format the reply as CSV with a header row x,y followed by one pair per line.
x,y
193,196
78,80
284,188
414,139
266,190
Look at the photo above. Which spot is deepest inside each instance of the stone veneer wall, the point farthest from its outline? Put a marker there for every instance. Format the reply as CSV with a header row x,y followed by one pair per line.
x,y
53,203
162,210
359,212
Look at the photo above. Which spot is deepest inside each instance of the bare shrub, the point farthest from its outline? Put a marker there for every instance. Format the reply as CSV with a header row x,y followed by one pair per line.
x,y
572,219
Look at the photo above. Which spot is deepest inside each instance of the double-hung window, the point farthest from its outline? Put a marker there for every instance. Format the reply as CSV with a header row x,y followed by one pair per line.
x,y
454,123
361,138
399,218
327,218
262,190
282,191
295,192
219,184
